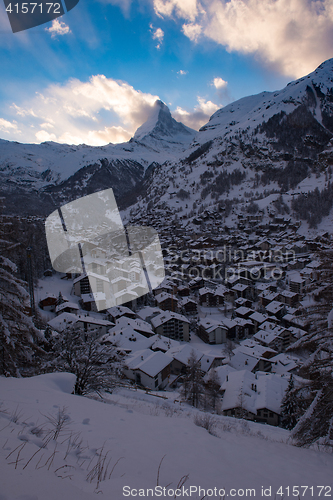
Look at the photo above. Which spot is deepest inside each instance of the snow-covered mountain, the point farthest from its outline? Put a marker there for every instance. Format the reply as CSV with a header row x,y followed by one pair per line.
x,y
273,142
35,177
250,150
163,130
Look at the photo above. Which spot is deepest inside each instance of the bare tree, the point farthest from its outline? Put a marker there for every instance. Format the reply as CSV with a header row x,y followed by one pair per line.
x,y
193,388
96,366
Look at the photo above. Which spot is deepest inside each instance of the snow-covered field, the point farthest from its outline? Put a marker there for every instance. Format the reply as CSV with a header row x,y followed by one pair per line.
x,y
140,441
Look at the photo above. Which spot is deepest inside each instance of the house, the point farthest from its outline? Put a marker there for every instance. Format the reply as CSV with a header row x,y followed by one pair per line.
x,y
137,324
274,336
189,306
289,298
243,312
276,308
212,331
116,312
69,307
267,296
258,319
48,303
126,340
207,297
180,356
85,323
149,369
172,325
255,397
297,284
166,301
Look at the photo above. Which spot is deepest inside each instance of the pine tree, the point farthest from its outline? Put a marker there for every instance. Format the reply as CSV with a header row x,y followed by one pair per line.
x,y
292,406
18,335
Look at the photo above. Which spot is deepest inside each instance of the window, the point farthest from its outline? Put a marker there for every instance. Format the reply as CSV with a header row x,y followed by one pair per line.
x,y
99,285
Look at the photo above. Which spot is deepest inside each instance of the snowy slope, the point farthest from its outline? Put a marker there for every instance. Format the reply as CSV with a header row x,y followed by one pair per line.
x,y
249,112
277,142
136,432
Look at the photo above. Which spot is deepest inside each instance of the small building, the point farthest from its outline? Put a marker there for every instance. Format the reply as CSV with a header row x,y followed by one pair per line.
x,y
149,369
212,331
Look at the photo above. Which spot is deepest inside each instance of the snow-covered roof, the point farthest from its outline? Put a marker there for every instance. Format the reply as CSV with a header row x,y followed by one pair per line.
x,y
150,363
167,316
254,392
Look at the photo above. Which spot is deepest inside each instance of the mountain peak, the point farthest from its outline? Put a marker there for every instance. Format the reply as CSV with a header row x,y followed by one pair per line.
x,y
161,126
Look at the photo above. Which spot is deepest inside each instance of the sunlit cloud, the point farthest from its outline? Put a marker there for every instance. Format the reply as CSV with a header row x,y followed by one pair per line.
x,y
96,112
197,117
293,36
188,9
58,28
182,72
219,83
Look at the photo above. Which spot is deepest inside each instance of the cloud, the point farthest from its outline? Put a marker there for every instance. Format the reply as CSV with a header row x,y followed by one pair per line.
x,y
192,31
158,35
199,116
188,9
95,112
7,126
293,36
182,72
219,83
58,28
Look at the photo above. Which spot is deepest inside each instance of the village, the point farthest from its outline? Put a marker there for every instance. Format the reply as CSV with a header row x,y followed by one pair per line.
x,y
234,298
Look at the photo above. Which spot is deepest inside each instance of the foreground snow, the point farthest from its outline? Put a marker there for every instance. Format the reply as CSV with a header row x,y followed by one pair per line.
x,y
134,431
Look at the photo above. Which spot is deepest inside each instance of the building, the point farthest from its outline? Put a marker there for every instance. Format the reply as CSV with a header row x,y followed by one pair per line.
x,y
172,325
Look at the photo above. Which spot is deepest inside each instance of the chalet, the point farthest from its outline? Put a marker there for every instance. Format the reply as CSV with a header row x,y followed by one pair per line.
x,y
243,312
85,323
258,319
180,356
126,340
116,312
276,308
273,336
207,298
166,302
212,331
69,307
189,306
255,397
289,298
137,324
149,369
48,303
243,302
267,296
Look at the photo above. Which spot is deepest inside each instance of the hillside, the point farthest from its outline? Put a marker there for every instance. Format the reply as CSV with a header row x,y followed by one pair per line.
x,y
146,441
268,144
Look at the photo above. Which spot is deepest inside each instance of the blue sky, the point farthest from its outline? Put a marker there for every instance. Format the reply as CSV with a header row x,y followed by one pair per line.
x,y
92,75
